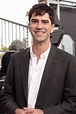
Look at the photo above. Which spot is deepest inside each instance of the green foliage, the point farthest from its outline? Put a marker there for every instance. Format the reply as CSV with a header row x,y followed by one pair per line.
x,y
1,53
4,48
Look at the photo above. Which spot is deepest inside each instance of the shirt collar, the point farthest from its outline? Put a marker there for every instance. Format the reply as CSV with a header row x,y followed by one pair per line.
x,y
43,55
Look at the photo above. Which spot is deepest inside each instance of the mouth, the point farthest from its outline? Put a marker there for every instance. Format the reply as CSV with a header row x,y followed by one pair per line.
x,y
39,32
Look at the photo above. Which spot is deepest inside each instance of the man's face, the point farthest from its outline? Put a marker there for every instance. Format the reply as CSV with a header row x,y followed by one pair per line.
x,y
40,27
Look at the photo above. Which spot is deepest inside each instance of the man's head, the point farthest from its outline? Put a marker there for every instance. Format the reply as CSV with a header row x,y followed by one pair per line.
x,y
40,10
41,22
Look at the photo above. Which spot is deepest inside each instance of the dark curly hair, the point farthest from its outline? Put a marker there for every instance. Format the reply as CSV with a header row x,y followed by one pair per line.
x,y
41,9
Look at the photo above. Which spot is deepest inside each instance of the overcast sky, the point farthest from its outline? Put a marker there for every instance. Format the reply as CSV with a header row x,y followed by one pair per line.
x,y
15,10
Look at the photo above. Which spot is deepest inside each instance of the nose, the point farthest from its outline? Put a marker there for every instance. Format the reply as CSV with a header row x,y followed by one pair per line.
x,y
39,25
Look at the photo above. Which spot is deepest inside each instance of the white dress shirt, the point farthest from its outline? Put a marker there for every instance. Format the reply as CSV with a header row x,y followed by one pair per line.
x,y
35,75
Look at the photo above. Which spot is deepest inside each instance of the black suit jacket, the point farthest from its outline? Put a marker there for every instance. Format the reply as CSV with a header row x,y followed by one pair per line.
x,y
57,93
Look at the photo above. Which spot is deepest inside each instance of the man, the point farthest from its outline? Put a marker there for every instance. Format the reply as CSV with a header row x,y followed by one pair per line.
x,y
41,80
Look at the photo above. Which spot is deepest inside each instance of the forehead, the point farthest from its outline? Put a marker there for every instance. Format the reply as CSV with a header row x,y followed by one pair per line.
x,y
42,17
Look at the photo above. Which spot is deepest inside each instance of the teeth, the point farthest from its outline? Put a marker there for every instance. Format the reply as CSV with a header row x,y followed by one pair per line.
x,y
39,32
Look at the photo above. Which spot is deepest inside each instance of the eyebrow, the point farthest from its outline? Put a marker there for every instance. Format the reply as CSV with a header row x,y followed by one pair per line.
x,y
44,20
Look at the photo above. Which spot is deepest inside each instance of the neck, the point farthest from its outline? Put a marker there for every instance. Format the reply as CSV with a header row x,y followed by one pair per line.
x,y
39,49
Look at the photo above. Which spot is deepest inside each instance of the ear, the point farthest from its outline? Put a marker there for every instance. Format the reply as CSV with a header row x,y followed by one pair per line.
x,y
29,26
52,28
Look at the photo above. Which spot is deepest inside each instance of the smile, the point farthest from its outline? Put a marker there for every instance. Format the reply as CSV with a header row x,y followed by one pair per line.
x,y
39,32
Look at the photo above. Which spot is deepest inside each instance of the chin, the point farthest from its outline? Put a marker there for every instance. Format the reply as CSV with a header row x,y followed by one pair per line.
x,y
40,40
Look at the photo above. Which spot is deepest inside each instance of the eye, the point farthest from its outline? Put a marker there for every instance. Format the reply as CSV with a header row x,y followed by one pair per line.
x,y
45,21
34,21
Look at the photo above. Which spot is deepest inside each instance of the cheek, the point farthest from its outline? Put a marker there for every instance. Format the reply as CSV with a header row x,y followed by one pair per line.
x,y
49,29
31,27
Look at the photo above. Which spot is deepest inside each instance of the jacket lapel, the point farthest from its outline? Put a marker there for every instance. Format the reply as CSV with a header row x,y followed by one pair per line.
x,y
24,71
49,67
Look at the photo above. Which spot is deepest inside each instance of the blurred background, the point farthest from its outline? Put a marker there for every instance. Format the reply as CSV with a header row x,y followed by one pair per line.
x,y
14,21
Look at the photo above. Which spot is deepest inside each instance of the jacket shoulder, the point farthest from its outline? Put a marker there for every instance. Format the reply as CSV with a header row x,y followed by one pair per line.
x,y
21,53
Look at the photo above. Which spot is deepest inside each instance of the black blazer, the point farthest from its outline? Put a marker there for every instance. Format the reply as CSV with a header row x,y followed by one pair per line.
x,y
57,93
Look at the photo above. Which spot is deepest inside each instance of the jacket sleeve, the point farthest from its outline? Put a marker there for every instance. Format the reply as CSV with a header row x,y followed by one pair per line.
x,y
8,93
